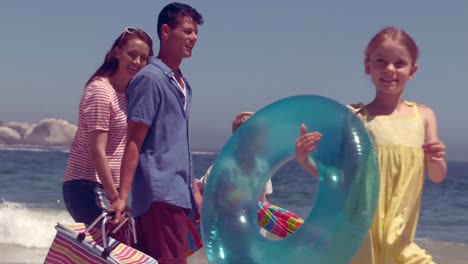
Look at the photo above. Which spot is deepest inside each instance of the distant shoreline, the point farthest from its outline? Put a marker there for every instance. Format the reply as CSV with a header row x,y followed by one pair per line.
x,y
27,147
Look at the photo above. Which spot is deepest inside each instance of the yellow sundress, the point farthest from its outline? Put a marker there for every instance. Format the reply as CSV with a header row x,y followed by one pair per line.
x,y
398,142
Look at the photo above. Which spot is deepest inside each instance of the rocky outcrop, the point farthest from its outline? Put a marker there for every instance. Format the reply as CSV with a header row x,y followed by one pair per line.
x,y
48,132
9,136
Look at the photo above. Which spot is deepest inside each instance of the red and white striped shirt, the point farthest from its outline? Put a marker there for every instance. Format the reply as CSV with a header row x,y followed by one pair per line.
x,y
101,108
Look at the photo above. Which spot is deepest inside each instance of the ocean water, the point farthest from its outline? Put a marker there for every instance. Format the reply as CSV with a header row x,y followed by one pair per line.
x,y
31,204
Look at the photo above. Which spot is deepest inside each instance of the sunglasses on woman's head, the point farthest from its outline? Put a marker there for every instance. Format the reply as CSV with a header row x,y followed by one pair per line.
x,y
177,5
131,30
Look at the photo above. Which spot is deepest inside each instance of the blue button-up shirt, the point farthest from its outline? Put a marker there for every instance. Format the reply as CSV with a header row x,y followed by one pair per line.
x,y
164,171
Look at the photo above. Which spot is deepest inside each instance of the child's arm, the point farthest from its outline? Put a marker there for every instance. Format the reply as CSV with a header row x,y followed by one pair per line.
x,y
204,178
305,144
434,148
197,194
267,190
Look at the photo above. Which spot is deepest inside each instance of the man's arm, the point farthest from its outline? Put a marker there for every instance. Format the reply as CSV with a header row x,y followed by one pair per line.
x,y
135,138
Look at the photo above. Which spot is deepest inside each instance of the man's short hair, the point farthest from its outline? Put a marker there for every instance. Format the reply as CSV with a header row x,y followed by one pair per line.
x,y
171,13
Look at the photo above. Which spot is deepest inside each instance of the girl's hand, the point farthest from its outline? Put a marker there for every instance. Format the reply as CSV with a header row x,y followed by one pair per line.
x,y
435,150
305,144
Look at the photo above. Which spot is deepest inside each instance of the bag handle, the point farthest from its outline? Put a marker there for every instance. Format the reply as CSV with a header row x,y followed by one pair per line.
x,y
104,218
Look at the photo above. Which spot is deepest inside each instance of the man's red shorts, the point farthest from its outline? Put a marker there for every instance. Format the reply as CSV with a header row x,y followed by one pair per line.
x,y
162,233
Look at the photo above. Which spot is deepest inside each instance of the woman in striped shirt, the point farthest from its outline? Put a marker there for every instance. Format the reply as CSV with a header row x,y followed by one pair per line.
x,y
93,168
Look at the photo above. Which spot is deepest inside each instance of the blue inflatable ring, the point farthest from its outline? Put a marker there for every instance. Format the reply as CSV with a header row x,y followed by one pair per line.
x,y
348,185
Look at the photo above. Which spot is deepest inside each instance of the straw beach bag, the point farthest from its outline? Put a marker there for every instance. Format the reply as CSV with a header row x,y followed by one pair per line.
x,y
76,243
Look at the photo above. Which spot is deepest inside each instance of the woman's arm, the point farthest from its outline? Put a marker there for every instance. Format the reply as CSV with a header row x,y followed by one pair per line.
x,y
101,163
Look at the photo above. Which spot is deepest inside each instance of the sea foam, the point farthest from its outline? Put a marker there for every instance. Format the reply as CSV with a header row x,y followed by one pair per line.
x,y
29,227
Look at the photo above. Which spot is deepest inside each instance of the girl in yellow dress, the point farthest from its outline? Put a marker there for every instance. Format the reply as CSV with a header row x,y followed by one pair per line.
x,y
407,143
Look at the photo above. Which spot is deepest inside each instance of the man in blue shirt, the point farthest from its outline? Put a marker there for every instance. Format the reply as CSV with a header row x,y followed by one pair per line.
x,y
157,157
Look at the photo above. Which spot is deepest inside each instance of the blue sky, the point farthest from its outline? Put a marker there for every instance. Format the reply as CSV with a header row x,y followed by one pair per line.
x,y
249,54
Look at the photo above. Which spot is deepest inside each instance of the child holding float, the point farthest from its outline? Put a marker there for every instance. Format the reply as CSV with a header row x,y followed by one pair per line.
x,y
407,145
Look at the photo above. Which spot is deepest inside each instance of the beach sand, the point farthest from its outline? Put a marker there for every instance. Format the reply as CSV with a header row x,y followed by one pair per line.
x,y
446,252
442,252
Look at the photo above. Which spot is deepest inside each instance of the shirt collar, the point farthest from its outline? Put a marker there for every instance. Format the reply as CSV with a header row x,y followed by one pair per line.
x,y
164,68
